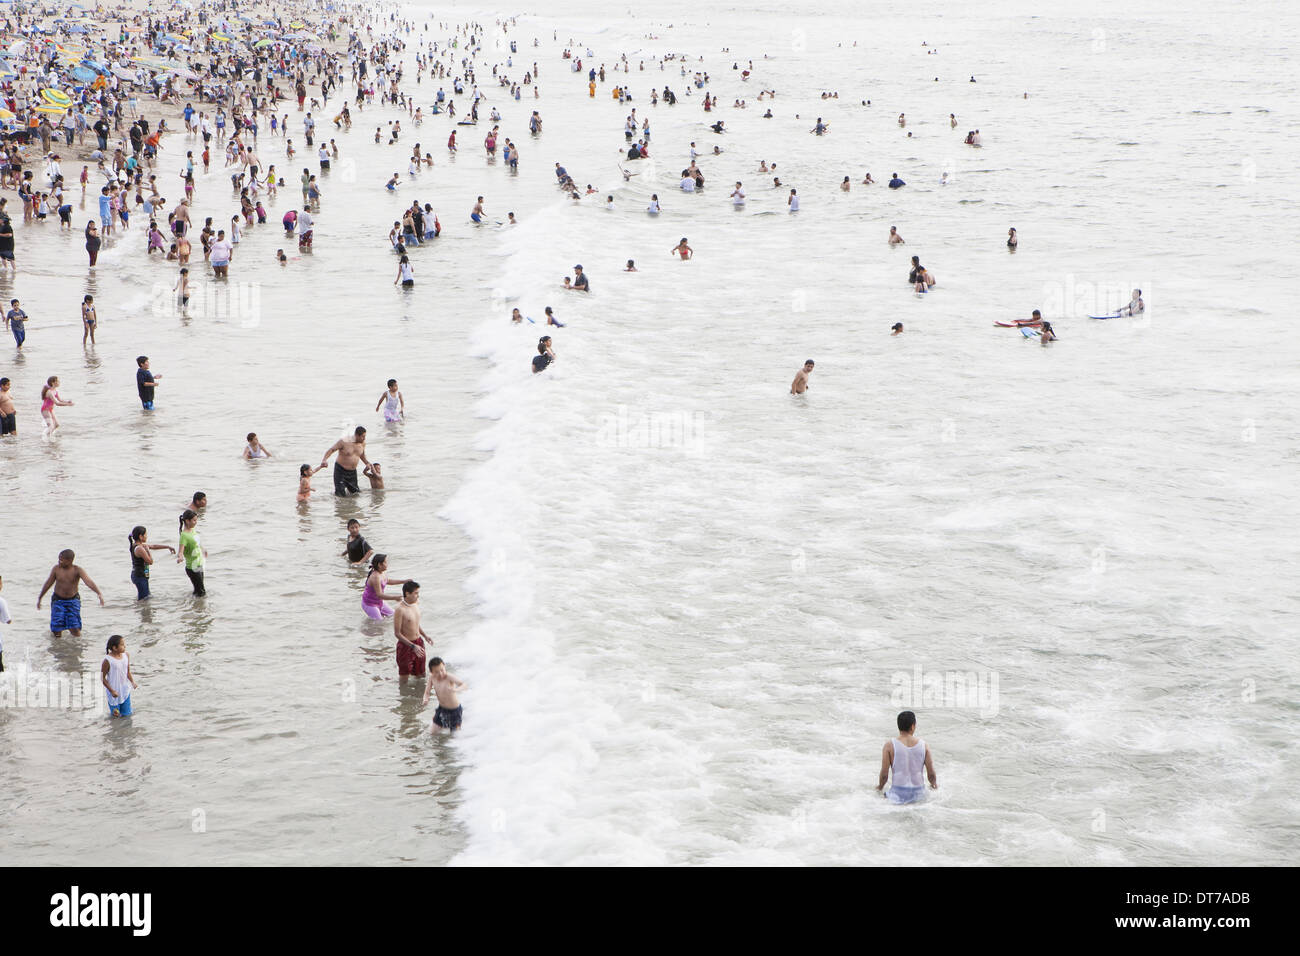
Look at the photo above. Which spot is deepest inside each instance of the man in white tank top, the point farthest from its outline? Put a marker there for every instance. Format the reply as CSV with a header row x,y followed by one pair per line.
x,y
906,755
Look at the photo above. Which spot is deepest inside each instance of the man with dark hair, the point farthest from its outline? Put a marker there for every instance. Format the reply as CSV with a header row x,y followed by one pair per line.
x,y
410,635
800,383
351,450
906,756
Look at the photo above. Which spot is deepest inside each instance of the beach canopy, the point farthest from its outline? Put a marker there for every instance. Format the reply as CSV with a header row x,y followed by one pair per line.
x,y
56,97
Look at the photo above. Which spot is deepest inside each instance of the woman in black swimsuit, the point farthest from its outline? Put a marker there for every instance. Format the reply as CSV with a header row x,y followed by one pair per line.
x,y
92,241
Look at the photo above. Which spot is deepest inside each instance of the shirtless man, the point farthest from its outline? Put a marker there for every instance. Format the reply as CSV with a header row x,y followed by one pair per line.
x,y
410,635
894,238
182,215
449,712
65,605
800,383
351,450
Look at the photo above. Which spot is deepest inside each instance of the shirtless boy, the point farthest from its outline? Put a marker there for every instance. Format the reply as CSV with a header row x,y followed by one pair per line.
x,y
8,415
65,605
449,712
410,635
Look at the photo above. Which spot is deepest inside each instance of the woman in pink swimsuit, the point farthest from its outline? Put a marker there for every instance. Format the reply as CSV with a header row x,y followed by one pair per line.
x,y
374,595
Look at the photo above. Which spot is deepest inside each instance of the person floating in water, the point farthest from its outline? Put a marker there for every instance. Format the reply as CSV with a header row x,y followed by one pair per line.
x,y
906,755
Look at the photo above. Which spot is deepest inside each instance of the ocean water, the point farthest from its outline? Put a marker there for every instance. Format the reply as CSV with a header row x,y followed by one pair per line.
x,y
688,604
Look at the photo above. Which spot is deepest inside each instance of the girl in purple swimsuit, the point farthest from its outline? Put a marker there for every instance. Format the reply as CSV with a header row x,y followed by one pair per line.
x,y
374,595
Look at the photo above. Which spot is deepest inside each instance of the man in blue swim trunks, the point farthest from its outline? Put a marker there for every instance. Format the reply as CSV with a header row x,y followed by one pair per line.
x,y
65,605
449,713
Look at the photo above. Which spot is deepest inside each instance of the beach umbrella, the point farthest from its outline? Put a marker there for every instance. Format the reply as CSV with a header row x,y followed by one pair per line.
x,y
51,110
122,73
76,28
56,98
297,25
261,43
220,37
184,74
84,74
6,115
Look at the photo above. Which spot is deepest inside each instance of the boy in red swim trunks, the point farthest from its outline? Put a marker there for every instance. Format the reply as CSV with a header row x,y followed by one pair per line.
x,y
410,635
